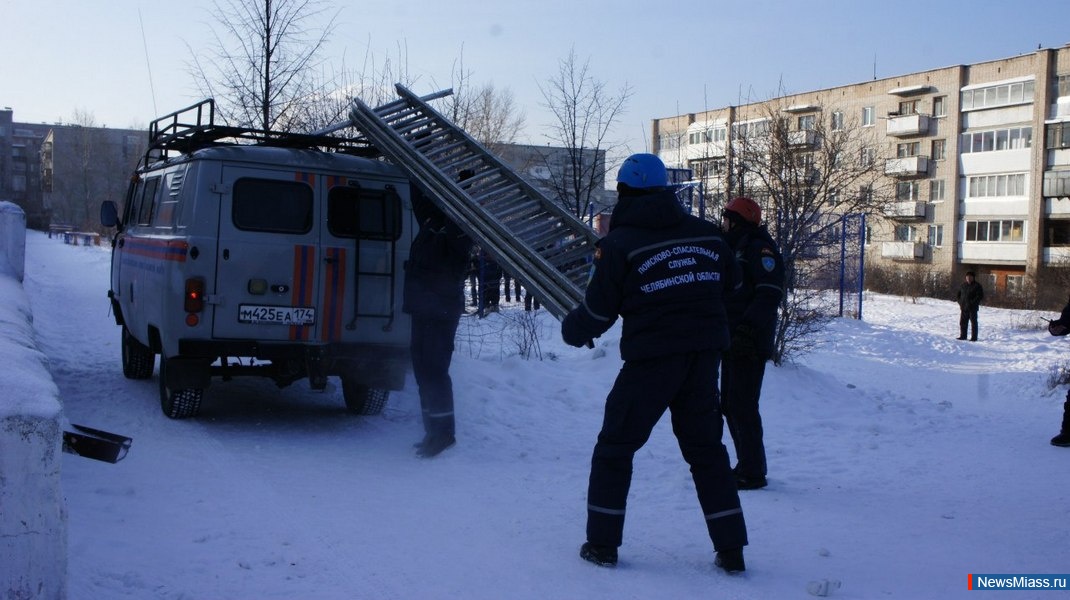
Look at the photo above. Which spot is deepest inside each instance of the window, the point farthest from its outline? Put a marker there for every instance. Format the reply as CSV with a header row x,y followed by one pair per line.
x,y
272,205
906,191
936,235
938,150
837,121
168,203
1056,183
1014,284
907,149
940,106
700,137
720,134
806,122
868,116
1061,86
1057,136
936,190
994,186
998,95
905,233
1057,233
995,231
353,212
147,201
908,107
868,156
18,183
1014,138
706,167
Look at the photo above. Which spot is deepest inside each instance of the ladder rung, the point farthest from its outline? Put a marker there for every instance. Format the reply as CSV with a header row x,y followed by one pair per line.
x,y
410,124
522,211
447,148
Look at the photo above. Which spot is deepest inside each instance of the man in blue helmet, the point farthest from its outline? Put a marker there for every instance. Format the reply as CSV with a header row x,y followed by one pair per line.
x,y
664,273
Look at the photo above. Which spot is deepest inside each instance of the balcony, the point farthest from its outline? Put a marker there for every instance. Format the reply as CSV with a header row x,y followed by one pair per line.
x,y
806,138
905,210
903,250
907,166
907,125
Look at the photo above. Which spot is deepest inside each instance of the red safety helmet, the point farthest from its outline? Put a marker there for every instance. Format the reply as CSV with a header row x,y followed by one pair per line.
x,y
746,208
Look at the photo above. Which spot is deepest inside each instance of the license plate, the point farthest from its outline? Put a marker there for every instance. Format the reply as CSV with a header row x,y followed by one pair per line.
x,y
276,315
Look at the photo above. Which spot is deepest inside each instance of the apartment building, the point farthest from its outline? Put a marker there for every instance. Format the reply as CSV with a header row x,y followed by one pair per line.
x,y
978,156
60,173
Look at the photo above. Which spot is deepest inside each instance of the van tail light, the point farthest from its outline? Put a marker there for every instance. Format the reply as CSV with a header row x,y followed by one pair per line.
x,y
194,302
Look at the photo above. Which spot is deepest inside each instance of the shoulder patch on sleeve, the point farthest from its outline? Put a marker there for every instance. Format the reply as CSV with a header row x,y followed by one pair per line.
x,y
768,263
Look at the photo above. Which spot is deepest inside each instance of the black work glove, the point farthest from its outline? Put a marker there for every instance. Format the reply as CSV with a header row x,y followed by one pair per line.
x,y
744,343
572,334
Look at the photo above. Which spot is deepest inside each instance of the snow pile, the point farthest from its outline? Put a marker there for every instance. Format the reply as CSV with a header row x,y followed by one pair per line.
x,y
33,530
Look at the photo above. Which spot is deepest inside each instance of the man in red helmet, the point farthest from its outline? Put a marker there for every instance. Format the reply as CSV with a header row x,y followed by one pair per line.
x,y
752,317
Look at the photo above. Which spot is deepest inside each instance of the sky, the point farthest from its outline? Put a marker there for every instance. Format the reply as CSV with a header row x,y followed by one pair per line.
x,y
900,461
126,61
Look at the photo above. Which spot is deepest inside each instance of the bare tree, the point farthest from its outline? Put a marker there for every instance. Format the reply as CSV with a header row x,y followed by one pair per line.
x,y
584,111
262,70
488,114
373,82
808,171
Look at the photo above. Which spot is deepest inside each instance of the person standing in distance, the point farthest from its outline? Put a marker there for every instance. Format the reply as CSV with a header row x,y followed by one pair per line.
x,y
752,318
970,296
434,296
664,273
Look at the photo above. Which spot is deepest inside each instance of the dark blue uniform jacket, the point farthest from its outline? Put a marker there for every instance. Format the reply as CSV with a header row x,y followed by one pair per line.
x,y
755,303
438,261
665,273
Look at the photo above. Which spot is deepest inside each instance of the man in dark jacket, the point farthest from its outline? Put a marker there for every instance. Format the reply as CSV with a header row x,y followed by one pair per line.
x,y
752,317
970,296
1061,327
664,272
434,296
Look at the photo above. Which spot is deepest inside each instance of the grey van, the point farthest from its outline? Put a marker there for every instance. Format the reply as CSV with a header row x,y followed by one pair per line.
x,y
279,259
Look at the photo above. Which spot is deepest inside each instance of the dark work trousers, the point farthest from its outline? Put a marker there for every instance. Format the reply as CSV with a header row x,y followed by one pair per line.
x,y
686,384
741,388
968,316
432,351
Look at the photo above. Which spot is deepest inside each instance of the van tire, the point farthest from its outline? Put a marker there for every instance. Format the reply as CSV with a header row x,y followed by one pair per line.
x,y
362,399
138,359
178,404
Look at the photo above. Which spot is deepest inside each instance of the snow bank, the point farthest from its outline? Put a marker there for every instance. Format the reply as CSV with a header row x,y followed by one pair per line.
x,y
33,519
12,240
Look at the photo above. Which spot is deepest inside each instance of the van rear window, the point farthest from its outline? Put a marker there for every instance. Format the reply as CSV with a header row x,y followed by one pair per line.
x,y
353,212
272,205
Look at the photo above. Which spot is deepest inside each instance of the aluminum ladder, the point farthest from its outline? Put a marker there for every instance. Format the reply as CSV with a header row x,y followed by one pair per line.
x,y
532,237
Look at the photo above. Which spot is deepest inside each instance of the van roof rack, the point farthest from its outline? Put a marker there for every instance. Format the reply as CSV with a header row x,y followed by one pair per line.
x,y
192,128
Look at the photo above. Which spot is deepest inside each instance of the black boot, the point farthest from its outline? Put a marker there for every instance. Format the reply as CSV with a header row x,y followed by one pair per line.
x,y
603,556
1063,439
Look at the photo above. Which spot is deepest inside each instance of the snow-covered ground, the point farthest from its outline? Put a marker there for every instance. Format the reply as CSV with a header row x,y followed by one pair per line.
x,y
900,461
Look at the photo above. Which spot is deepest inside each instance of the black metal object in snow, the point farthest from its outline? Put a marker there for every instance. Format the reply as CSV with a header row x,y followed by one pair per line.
x,y
96,444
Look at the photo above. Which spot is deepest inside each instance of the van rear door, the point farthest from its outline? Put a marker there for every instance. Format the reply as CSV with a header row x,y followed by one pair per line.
x,y
268,265
360,240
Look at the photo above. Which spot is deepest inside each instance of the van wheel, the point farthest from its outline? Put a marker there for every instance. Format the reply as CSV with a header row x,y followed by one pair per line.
x,y
362,399
178,404
138,359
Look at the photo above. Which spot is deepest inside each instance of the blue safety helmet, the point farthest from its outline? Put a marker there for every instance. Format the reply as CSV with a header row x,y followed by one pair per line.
x,y
643,171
